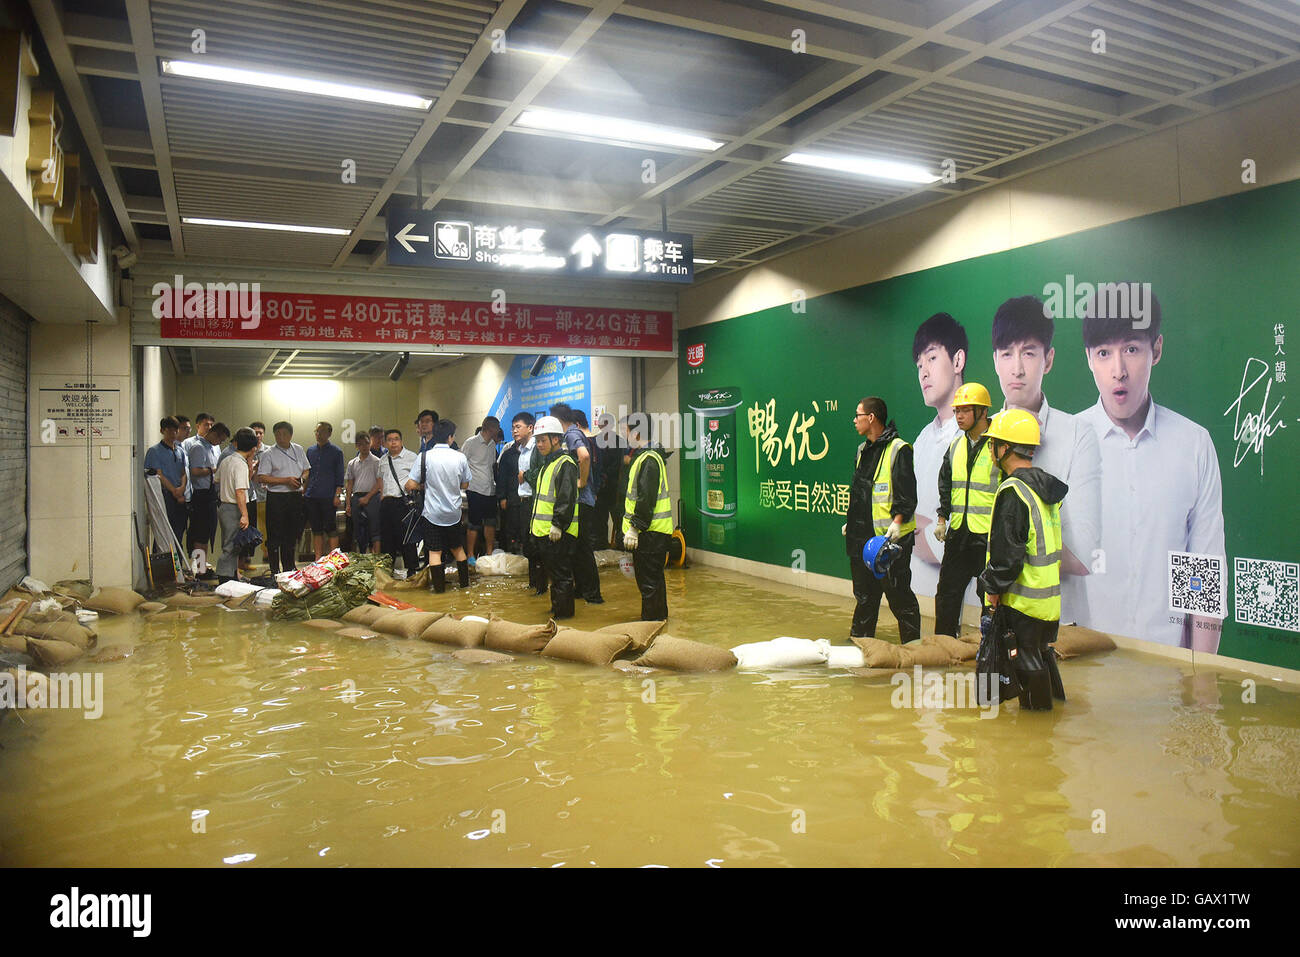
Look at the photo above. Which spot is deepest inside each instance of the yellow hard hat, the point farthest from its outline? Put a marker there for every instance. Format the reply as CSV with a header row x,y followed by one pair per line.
x,y
972,393
1015,426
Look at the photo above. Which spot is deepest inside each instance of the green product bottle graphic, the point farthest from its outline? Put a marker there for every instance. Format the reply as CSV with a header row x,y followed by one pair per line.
x,y
715,428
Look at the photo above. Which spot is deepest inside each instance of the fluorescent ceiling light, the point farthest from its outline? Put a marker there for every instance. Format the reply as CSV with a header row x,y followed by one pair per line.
x,y
705,262
292,84
611,128
283,227
865,166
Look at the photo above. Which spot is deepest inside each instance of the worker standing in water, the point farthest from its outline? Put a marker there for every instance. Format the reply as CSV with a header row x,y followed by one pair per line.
x,y
647,517
882,501
1022,578
968,481
555,512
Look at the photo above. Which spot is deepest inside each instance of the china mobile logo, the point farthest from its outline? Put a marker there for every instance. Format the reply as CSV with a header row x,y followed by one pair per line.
x,y
215,300
695,355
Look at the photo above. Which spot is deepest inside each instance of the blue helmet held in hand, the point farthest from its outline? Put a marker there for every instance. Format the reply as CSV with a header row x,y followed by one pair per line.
x,y
878,554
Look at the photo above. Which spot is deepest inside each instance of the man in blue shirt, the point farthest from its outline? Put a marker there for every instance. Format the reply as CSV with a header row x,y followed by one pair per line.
x,y
167,461
445,473
324,492
203,450
425,422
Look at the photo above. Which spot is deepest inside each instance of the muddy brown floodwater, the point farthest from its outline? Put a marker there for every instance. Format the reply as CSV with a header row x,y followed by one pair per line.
x,y
234,740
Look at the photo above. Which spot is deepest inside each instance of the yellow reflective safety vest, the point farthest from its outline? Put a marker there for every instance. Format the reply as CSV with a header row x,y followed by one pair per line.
x,y
544,498
661,520
974,486
1037,591
882,491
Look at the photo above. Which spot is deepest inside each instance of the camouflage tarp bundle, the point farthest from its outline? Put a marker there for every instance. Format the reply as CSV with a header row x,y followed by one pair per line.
x,y
348,588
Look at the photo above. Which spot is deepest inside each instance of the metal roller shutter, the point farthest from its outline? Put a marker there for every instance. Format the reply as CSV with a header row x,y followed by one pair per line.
x,y
13,439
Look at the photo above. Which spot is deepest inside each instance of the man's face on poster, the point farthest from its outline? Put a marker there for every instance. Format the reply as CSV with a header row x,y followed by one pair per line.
x,y
1122,372
1020,368
939,374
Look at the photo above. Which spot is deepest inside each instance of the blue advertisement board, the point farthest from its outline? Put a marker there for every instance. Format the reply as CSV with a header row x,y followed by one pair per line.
x,y
560,379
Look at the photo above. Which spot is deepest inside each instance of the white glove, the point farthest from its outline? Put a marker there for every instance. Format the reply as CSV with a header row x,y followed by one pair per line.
x,y
941,528
630,540
895,531
556,533
844,529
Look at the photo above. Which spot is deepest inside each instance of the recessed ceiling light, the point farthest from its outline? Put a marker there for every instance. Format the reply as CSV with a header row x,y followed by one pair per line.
x,y
283,227
612,128
865,166
293,84
705,262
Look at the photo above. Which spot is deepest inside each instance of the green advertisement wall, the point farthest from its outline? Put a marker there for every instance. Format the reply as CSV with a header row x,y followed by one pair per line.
x,y
1199,511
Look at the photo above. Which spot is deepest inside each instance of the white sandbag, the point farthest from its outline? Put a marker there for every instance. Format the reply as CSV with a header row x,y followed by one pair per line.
x,y
784,652
34,585
608,556
842,656
236,589
474,618
265,597
502,563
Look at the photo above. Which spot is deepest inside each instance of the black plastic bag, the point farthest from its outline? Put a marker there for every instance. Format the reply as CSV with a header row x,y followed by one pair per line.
x,y
995,678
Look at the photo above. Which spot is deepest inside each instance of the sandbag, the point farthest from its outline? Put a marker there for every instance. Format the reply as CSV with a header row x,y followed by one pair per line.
x,y
13,642
842,656
782,652
878,653
327,624
956,649
481,656
682,654
149,607
929,656
405,624
365,614
419,580
247,600
1074,640
474,618
50,652
112,653
503,563
78,588
642,633
68,631
449,631
362,632
115,601
586,647
505,635
176,614
236,589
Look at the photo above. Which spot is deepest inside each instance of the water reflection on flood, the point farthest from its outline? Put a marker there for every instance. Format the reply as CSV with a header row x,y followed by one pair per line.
x,y
232,741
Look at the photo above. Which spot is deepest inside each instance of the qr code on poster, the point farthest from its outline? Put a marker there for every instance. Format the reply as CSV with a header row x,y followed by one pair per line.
x,y
1198,584
1267,593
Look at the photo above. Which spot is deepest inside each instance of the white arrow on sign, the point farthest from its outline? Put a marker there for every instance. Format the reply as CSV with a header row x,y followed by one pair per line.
x,y
404,234
585,248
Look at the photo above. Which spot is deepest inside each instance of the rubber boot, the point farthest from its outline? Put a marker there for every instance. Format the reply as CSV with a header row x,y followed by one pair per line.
x,y
438,579
1053,672
462,573
1035,684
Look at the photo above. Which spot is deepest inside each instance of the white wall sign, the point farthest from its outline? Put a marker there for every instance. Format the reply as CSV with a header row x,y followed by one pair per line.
x,y
80,408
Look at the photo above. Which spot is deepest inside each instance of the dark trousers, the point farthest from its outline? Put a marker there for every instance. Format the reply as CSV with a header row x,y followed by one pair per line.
x,y
178,516
1035,661
648,563
605,504
896,586
558,557
964,555
203,517
586,576
536,562
284,523
513,533
248,550
392,511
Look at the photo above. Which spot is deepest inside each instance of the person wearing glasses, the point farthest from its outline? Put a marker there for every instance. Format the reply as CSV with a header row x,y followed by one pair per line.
x,y
882,501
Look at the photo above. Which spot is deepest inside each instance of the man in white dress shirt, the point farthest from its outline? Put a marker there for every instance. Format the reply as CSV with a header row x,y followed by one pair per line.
x,y
1160,482
1022,356
939,350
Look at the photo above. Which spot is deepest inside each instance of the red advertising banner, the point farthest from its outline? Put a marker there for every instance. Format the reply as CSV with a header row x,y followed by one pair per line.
x,y
230,312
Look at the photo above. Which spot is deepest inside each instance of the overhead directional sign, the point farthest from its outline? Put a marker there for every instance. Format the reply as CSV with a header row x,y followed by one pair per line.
x,y
431,239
